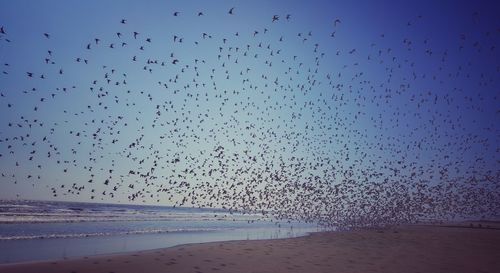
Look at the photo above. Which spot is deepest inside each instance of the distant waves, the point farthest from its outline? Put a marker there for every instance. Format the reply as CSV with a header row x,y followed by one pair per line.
x,y
69,212
26,220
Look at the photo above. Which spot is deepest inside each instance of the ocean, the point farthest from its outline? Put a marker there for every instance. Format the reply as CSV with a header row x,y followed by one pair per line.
x,y
49,230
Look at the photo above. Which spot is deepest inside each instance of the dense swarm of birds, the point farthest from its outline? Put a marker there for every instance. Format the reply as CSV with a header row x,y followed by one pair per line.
x,y
308,135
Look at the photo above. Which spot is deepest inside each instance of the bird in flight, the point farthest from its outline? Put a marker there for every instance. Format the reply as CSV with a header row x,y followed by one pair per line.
x,y
255,159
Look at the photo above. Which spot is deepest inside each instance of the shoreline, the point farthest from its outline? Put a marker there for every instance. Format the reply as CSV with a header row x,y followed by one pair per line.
x,y
131,253
43,250
422,248
125,253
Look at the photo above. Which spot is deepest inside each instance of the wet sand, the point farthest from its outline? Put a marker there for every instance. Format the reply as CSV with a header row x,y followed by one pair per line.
x,y
402,249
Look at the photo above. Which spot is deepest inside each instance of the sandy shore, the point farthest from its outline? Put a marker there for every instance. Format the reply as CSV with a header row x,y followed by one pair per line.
x,y
403,249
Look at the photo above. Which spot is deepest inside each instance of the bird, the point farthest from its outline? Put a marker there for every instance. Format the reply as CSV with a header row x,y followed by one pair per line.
x,y
301,130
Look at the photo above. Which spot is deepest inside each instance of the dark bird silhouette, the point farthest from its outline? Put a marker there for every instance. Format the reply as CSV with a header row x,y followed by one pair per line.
x,y
297,130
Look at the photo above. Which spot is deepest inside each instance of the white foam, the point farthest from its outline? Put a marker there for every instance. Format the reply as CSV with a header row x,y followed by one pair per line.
x,y
84,235
68,217
17,212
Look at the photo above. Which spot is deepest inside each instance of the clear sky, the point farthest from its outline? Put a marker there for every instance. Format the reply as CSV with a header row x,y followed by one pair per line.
x,y
202,101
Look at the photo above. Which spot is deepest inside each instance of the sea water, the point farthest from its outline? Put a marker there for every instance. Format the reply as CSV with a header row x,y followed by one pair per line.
x,y
47,230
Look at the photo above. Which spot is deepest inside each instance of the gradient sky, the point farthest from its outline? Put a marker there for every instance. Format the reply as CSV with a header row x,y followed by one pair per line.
x,y
403,87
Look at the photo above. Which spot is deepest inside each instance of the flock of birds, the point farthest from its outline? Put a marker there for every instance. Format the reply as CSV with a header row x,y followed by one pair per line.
x,y
244,122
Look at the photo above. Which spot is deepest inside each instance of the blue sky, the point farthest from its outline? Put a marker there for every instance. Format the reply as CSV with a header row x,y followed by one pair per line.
x,y
400,88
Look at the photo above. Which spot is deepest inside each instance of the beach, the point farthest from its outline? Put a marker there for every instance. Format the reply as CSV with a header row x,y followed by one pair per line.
x,y
423,248
249,136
